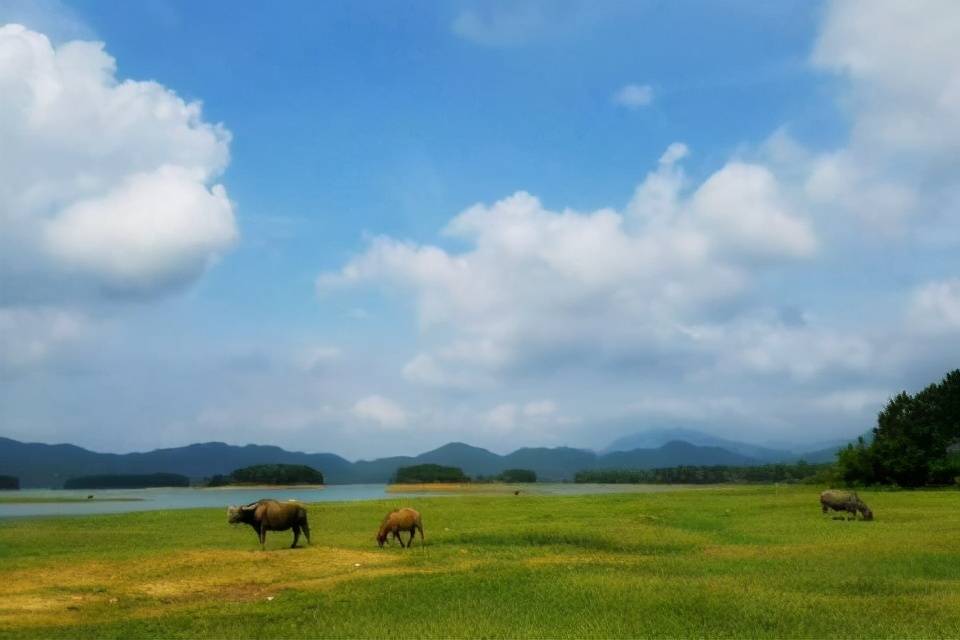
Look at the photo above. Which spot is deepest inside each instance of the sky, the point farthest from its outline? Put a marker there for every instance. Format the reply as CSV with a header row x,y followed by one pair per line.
x,y
374,228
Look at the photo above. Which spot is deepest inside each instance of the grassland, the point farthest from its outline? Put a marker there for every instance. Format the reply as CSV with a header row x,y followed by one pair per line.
x,y
738,562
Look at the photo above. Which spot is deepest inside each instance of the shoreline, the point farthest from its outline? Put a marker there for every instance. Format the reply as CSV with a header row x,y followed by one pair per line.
x,y
262,486
459,487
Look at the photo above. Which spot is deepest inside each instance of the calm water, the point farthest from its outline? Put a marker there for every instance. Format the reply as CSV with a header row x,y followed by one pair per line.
x,y
159,499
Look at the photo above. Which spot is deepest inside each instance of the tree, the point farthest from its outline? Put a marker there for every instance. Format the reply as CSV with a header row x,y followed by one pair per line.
x,y
916,441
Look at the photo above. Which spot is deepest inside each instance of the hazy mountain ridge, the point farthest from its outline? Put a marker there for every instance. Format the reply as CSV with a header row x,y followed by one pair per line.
x,y
653,438
44,465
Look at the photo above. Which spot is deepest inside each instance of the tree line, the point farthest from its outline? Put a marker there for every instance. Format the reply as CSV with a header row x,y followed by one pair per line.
x,y
269,474
712,474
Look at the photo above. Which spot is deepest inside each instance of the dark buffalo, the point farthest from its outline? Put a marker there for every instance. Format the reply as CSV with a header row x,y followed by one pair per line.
x,y
847,501
270,515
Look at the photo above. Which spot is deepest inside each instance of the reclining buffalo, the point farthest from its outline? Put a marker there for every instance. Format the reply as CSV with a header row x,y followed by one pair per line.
x,y
270,515
847,501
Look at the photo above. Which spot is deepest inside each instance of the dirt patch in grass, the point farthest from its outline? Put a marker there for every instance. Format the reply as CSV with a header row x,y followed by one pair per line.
x,y
43,595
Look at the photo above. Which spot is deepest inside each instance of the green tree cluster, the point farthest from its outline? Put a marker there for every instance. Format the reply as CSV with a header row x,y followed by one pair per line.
x,y
916,441
419,473
9,482
269,474
715,474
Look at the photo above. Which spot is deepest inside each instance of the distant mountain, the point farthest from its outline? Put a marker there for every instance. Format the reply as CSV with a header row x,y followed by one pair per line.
x,y
658,437
44,465
827,451
818,456
674,454
551,464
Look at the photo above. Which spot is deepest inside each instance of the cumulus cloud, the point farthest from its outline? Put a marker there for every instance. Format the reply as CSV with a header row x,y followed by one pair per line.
x,y
902,84
904,74
107,188
105,184
763,345
633,96
537,283
382,411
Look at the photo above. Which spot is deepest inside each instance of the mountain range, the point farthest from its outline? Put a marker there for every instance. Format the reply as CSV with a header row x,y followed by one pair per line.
x,y
45,465
819,452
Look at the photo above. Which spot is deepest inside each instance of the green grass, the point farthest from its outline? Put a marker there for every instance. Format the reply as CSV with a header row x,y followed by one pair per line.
x,y
737,562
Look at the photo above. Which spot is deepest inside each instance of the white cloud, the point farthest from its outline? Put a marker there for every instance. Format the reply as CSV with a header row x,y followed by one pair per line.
x,y
761,345
30,336
898,168
513,23
432,370
533,417
384,412
742,206
500,26
935,307
540,409
536,283
151,229
317,359
104,183
900,59
854,401
503,416
633,96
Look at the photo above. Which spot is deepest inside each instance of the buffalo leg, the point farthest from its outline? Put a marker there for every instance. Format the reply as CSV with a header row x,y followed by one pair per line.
x,y
413,532
296,536
306,531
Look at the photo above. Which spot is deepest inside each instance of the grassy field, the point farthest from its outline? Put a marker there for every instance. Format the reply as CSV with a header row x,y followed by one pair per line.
x,y
737,562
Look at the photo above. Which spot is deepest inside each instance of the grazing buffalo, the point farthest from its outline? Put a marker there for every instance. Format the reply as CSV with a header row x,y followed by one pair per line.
x,y
400,520
270,515
847,501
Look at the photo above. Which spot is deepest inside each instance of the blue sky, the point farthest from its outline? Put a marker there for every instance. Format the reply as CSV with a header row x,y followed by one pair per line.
x,y
256,223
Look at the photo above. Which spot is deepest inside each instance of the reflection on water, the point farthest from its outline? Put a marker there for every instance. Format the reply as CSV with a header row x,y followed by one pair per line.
x,y
160,499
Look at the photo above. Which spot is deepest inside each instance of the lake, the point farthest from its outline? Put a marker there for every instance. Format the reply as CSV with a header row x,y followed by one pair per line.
x,y
128,500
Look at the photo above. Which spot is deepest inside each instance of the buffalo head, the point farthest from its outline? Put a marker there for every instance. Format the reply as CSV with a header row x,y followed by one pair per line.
x,y
236,514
